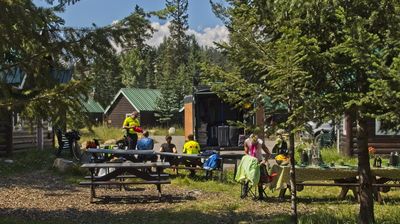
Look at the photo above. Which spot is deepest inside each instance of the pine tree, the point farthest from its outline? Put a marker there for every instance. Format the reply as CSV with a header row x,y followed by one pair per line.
x,y
332,57
173,61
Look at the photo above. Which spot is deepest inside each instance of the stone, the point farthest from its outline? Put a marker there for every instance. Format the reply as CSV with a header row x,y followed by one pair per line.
x,y
63,165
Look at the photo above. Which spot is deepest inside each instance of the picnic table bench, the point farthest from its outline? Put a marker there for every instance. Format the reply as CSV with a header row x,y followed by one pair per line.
x,y
120,171
182,156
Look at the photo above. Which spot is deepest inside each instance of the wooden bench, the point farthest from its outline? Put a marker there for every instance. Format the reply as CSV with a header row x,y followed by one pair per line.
x,y
209,173
180,157
121,171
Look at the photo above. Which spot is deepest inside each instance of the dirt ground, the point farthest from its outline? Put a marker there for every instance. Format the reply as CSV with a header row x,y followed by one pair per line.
x,y
42,196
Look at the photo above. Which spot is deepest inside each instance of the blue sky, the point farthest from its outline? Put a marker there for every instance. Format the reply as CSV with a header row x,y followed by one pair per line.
x,y
104,12
203,24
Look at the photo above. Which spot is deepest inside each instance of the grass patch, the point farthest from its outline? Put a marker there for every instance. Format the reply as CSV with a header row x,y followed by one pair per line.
x,y
217,202
104,133
331,155
27,161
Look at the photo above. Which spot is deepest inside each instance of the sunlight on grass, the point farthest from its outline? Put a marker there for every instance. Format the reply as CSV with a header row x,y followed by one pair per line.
x,y
27,161
104,133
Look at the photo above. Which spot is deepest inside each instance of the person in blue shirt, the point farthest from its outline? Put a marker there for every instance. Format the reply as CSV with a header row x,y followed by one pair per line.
x,y
146,143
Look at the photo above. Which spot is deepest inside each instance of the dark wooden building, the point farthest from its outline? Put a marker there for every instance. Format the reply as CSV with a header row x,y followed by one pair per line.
x,y
383,141
128,100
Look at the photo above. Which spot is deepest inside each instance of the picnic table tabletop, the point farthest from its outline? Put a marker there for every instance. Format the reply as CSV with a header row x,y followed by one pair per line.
x,y
310,173
121,152
182,155
391,172
126,165
324,173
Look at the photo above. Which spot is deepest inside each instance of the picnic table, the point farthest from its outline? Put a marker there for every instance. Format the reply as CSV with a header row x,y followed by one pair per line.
x,y
345,177
120,171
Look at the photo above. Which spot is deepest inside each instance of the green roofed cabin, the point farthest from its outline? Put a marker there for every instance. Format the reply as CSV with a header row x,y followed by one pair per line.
x,y
128,100
94,110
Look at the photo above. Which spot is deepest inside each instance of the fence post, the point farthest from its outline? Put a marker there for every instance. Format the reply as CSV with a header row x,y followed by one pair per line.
x,y
39,134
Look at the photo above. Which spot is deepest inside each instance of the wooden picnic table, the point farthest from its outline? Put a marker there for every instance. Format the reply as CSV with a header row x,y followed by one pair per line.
x,y
345,177
120,171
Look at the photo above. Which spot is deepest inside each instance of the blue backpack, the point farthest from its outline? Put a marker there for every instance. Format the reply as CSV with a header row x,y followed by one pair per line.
x,y
212,162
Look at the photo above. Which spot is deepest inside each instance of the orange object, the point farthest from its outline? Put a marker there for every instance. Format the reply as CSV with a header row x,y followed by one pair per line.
x,y
371,150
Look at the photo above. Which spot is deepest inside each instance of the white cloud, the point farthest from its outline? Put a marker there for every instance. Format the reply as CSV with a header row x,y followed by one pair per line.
x,y
161,31
206,37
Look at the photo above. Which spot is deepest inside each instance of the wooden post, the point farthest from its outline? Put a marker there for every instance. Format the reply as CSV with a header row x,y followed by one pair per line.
x,y
189,115
39,135
260,117
9,131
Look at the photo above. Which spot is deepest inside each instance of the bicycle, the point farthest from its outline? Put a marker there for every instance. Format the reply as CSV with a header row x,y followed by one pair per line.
x,y
69,141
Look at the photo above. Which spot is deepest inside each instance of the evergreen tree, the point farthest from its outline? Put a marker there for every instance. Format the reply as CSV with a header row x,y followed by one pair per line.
x,y
332,57
173,61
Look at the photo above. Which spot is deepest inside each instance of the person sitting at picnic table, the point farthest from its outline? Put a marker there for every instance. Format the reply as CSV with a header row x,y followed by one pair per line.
x,y
146,143
171,148
132,126
281,148
191,147
253,146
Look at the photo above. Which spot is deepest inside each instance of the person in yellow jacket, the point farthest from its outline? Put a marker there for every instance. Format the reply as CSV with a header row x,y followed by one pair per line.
x,y
191,147
132,126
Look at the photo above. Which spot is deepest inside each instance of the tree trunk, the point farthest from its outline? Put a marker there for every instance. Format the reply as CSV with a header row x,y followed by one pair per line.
x,y
292,178
366,215
348,141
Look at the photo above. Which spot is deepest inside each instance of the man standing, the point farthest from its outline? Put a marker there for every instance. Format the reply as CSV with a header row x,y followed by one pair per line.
x,y
132,126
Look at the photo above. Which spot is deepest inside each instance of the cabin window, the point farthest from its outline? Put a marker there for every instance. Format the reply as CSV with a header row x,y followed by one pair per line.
x,y
378,130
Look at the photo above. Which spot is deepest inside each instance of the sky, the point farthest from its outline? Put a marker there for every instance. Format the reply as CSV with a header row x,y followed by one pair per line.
x,y
202,22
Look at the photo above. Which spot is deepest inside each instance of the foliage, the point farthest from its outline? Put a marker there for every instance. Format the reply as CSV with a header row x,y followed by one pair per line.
x,y
329,57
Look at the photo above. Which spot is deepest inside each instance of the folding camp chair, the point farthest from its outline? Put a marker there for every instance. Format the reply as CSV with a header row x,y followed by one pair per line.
x,y
257,191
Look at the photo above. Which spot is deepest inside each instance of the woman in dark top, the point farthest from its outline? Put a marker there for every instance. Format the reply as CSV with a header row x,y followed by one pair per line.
x,y
169,147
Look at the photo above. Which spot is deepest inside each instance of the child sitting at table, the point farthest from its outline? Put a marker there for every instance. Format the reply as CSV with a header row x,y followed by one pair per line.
x,y
146,143
171,148
191,147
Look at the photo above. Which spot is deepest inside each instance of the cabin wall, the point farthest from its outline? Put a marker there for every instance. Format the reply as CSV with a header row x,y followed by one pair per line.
x,y
384,144
117,114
